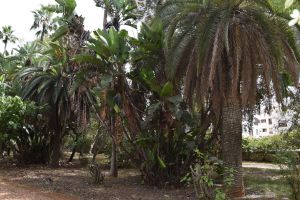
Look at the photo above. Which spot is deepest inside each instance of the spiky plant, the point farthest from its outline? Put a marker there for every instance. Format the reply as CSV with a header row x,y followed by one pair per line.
x,y
226,50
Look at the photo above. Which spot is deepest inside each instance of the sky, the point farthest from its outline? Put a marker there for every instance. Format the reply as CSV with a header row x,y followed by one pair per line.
x,y
18,14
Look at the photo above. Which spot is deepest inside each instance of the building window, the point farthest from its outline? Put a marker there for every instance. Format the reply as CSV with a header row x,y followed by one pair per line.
x,y
271,131
264,130
282,124
263,121
270,121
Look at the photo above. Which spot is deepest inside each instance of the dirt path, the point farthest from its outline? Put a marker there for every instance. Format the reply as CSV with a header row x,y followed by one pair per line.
x,y
14,191
260,165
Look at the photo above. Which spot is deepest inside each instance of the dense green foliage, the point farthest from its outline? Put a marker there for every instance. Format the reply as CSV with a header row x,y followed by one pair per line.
x,y
154,101
284,141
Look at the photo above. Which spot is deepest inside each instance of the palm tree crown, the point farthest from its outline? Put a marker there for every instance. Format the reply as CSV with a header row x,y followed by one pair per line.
x,y
7,35
227,47
43,22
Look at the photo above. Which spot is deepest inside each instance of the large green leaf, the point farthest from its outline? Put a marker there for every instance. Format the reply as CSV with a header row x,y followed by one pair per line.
x,y
86,58
167,90
63,30
289,3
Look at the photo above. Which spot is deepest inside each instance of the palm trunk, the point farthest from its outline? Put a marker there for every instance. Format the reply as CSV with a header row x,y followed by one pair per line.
x,y
43,32
56,141
56,151
105,18
231,138
113,164
5,46
113,161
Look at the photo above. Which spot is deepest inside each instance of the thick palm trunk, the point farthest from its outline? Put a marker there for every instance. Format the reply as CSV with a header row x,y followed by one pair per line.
x,y
56,141
56,151
231,139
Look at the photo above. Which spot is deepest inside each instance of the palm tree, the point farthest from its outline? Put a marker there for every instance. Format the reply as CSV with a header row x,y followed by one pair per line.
x,y
50,87
7,36
27,54
227,50
121,12
42,22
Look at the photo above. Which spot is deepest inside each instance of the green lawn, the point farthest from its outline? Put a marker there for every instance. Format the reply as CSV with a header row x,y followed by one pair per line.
x,y
266,181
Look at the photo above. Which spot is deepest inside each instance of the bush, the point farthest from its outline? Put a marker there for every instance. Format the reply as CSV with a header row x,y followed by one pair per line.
x,y
265,149
24,130
204,179
266,144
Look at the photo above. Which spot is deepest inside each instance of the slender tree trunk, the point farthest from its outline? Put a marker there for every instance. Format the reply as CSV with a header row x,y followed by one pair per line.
x,y
105,18
113,161
75,147
5,47
43,32
231,139
113,164
73,154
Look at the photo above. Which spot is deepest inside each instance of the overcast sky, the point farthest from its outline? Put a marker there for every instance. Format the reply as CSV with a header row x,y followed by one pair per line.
x,y
17,13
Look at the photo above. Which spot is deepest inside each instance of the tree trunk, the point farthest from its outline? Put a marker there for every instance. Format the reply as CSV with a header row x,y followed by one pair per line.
x,y
105,18
5,46
72,155
231,139
56,142
43,32
113,161
56,148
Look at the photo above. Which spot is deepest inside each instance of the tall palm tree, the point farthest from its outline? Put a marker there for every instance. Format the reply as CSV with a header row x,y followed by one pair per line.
x,y
7,35
227,50
43,22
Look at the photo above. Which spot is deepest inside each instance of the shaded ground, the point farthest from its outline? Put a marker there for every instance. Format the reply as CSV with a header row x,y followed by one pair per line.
x,y
12,191
39,183
74,183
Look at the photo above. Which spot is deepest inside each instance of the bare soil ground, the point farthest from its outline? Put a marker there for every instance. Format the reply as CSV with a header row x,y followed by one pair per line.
x,y
73,183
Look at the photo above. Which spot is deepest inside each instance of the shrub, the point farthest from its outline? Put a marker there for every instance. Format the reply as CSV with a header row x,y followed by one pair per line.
x,y
24,130
266,144
204,179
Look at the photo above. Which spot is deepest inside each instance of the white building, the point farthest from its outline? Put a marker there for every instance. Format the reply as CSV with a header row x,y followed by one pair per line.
x,y
265,124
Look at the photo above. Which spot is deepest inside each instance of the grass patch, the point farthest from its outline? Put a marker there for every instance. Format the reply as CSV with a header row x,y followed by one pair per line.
x,y
265,181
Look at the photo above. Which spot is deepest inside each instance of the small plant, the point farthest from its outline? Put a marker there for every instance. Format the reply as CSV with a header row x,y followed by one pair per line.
x,y
203,176
95,171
